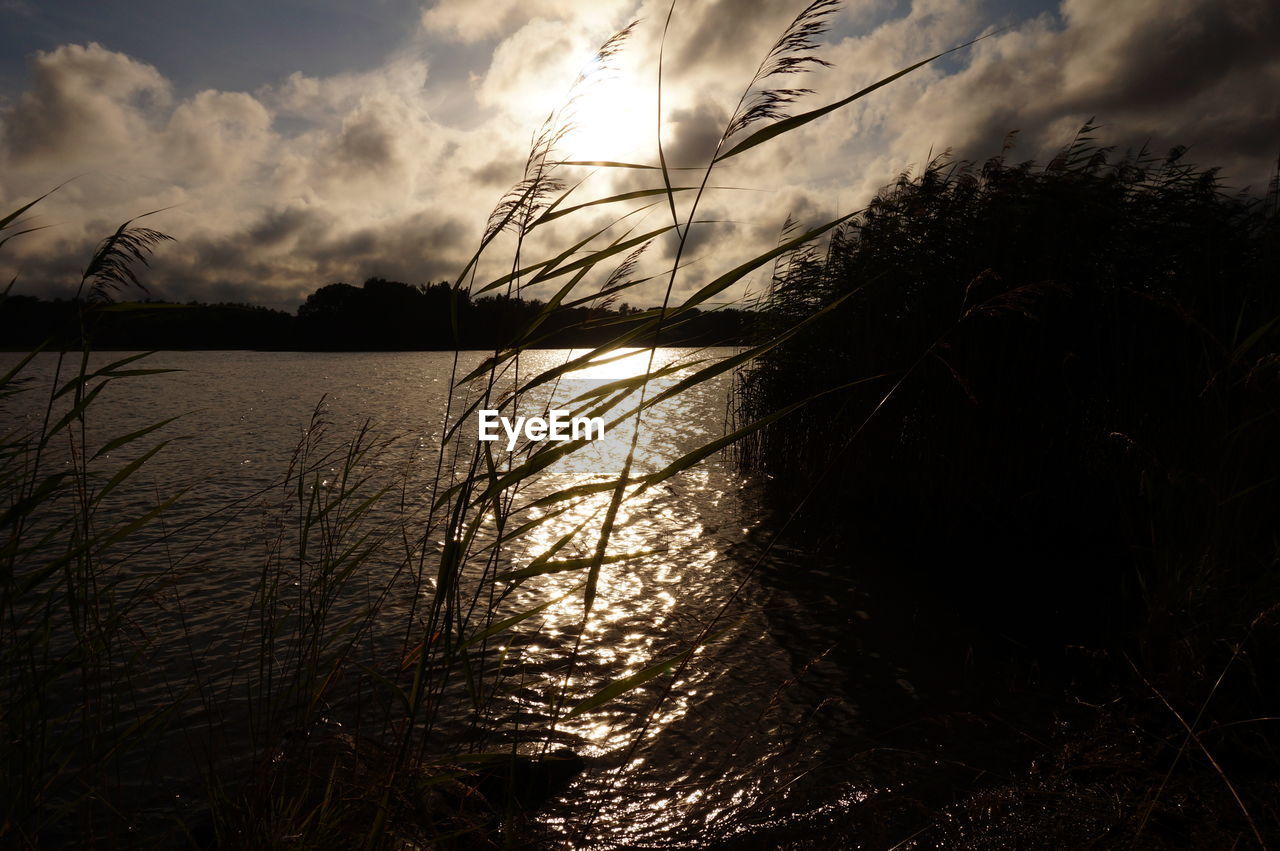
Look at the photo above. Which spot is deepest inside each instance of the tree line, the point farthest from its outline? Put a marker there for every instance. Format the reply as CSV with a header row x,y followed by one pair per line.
x,y
379,315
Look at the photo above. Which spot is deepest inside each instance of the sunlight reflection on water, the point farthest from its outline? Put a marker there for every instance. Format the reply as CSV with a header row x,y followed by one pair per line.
x,y
659,540
649,606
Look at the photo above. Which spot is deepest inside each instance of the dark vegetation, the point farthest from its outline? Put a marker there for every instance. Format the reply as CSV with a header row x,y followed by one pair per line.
x,y
381,315
1039,403
1057,426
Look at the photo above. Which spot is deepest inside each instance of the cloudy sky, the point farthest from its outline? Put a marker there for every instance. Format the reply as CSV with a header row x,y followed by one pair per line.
x,y
295,143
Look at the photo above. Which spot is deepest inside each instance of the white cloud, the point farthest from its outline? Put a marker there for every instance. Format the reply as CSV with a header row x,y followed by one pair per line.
x,y
217,135
85,103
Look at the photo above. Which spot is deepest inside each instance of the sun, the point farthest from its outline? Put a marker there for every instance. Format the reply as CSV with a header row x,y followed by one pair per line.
x,y
612,120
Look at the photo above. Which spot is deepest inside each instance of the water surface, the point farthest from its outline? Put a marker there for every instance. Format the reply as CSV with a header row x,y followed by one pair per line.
x,y
754,731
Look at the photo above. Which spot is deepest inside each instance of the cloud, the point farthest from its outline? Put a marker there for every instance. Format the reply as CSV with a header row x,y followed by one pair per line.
x,y
1193,72
729,34
392,170
288,227
693,132
470,22
85,102
16,7
270,194
215,135
371,142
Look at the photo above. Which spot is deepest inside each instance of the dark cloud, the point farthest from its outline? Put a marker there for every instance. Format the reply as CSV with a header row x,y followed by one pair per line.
x,y
691,134
277,228
215,290
369,143
502,171
729,34
1171,54
1197,72
415,248
55,273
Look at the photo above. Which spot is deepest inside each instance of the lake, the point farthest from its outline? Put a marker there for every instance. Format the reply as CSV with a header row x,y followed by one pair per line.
x,y
758,726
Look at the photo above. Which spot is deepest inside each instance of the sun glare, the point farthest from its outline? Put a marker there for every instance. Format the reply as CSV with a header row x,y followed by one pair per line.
x,y
613,121
612,366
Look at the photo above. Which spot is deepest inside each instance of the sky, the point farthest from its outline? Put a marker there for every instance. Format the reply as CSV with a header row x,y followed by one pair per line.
x,y
293,144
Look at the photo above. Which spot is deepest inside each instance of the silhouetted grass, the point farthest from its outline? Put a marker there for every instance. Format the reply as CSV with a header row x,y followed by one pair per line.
x,y
1067,440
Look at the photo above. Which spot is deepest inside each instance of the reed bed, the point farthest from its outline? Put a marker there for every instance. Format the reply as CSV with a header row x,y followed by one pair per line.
x,y
325,724
1063,439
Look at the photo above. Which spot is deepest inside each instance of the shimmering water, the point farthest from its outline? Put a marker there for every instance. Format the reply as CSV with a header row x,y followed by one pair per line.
x,y
754,731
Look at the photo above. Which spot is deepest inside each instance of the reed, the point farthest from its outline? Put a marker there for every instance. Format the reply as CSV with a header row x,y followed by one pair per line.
x,y
1062,438
351,717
